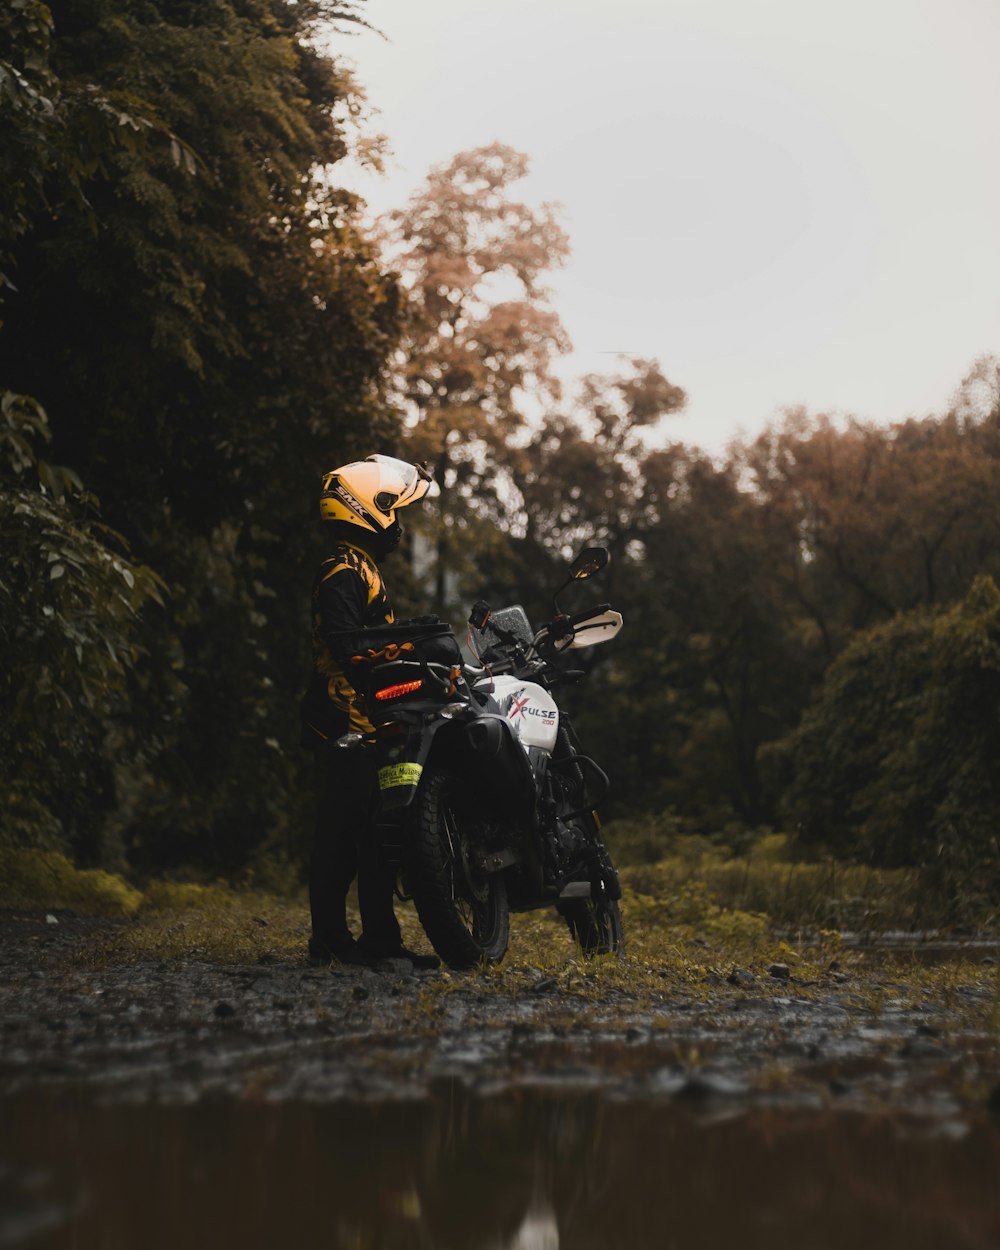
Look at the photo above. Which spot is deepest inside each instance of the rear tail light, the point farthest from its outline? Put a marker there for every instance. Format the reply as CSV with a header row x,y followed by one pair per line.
x,y
397,691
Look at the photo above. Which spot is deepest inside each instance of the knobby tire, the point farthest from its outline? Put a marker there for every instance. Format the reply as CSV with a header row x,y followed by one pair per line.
x,y
595,923
465,931
596,927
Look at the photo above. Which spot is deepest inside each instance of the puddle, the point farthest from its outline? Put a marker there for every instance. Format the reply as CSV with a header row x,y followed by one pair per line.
x,y
526,1170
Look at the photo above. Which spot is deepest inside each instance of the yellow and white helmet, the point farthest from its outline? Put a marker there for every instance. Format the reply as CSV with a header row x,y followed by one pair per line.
x,y
366,493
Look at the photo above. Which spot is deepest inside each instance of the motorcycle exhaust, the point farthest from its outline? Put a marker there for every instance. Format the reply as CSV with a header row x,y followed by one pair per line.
x,y
485,737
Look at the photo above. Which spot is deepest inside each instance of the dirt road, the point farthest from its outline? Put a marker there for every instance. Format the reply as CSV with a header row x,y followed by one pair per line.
x,y
180,1029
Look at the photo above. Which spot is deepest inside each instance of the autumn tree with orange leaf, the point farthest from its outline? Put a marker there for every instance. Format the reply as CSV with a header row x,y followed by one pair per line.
x,y
480,341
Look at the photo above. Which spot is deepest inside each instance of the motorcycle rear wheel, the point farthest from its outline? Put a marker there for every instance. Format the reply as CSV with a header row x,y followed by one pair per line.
x,y
464,912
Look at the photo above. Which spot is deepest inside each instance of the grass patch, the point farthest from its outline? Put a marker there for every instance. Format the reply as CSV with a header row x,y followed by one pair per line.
x,y
688,965
33,878
187,896
213,924
768,881
691,921
682,946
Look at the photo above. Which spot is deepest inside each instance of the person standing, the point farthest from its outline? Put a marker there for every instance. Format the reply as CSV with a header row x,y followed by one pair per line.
x,y
359,503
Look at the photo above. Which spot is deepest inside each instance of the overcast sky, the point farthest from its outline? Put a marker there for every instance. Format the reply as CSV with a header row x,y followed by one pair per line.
x,y
785,201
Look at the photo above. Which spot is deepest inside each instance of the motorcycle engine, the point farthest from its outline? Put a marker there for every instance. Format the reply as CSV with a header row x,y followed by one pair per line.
x,y
568,844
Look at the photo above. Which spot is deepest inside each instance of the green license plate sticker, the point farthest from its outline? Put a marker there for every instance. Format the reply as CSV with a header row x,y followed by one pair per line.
x,y
399,775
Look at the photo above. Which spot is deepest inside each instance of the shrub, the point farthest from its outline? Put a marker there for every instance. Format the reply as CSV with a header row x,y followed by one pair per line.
x,y
897,759
768,882
32,878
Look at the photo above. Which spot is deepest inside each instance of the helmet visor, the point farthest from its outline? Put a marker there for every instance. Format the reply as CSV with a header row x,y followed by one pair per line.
x,y
410,482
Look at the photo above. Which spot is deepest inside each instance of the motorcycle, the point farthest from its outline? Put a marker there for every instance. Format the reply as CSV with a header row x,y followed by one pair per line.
x,y
486,802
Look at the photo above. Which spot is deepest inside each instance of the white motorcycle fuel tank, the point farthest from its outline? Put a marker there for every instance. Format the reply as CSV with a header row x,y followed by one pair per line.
x,y
528,708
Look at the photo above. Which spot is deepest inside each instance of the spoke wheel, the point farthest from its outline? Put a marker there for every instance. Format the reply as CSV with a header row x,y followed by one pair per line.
x,y
596,922
595,925
463,910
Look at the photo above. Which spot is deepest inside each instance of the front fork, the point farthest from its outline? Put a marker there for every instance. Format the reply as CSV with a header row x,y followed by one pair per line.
x,y
604,880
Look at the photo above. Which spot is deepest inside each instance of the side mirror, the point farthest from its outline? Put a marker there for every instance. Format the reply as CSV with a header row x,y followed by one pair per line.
x,y
590,561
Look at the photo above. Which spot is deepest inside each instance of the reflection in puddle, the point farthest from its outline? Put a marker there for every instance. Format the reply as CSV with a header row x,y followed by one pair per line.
x,y
540,1230
523,1171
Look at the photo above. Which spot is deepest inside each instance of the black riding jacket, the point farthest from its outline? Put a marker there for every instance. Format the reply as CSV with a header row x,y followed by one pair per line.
x,y
348,594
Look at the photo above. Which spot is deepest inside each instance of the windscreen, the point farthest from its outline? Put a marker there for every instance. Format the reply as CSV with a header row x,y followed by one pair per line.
x,y
513,621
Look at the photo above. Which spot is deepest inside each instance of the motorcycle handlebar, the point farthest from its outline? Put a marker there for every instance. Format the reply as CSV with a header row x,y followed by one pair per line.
x,y
510,655
565,624
577,617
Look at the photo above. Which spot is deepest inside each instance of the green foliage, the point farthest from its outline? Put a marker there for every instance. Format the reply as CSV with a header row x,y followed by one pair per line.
x,y
207,327
769,880
174,896
897,757
33,878
27,116
70,594
210,314
714,661
884,520
742,578
70,601
58,135
643,839
657,899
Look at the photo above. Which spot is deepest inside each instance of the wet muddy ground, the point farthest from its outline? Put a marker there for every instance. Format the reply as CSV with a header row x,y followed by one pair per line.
x,y
179,1029
750,1102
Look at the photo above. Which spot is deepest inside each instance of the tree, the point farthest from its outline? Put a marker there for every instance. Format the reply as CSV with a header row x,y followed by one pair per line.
x,y
480,340
747,577
230,299
207,327
896,758
581,475
723,660
886,519
70,604
587,476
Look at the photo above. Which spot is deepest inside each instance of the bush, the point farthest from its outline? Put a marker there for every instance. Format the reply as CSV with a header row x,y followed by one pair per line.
x,y
897,758
643,839
187,896
32,878
767,881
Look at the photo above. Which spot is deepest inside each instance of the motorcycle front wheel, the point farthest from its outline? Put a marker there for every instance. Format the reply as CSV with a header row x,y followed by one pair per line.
x,y
595,922
596,925
463,910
